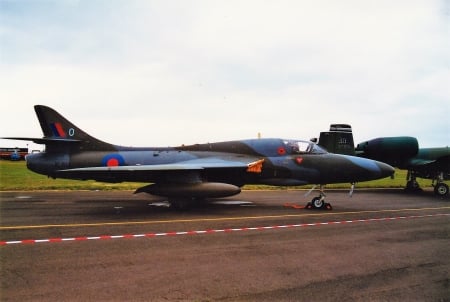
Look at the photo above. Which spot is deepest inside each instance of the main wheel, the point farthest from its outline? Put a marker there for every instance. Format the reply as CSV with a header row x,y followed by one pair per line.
x,y
317,203
441,189
180,204
412,186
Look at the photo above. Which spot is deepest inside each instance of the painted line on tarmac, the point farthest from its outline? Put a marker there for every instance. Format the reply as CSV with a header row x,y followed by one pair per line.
x,y
228,230
320,213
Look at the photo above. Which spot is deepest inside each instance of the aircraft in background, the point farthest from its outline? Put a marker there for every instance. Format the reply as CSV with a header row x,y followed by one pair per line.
x,y
187,174
402,152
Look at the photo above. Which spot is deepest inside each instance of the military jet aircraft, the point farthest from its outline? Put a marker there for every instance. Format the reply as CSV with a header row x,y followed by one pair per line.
x,y
186,174
402,152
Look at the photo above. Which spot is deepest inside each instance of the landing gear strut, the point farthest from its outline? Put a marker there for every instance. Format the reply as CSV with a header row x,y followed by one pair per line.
x,y
182,204
440,188
411,182
318,203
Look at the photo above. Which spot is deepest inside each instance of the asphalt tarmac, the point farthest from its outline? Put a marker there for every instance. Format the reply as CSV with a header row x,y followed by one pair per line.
x,y
379,245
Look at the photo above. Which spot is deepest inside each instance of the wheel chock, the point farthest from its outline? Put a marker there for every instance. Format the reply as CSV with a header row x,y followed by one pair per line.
x,y
293,205
308,206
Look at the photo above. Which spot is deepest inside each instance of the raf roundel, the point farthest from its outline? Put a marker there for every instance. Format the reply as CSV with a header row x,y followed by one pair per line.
x,y
113,160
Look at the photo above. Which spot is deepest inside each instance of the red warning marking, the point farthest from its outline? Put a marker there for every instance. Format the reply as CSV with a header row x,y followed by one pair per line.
x,y
281,151
169,234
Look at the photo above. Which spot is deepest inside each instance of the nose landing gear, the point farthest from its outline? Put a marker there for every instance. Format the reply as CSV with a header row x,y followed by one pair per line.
x,y
318,203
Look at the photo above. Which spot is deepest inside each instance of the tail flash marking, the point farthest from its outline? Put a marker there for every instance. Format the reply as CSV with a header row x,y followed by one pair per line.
x,y
58,130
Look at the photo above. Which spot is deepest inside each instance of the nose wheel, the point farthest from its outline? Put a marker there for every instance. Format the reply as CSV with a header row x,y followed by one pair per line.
x,y
318,203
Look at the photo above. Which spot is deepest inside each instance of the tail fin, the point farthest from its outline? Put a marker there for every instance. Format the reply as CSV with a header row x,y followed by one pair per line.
x,y
338,140
61,135
58,130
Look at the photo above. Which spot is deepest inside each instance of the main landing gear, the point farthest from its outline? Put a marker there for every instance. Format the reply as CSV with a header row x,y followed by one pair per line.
x,y
318,203
411,182
180,204
183,204
440,187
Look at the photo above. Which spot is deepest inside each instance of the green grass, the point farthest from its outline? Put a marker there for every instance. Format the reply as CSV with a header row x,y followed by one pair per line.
x,y
15,176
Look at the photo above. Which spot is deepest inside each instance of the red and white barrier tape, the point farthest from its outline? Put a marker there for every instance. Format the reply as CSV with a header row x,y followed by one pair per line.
x,y
263,228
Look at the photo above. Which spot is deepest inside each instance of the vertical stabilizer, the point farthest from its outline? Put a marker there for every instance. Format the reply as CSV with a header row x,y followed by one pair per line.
x,y
60,134
338,140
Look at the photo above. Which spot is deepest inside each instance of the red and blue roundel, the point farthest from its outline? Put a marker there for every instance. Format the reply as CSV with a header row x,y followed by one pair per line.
x,y
113,160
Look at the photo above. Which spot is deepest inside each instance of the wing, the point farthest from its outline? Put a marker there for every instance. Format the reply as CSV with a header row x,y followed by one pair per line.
x,y
189,170
432,156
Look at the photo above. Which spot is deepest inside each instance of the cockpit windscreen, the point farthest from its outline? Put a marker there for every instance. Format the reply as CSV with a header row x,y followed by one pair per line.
x,y
302,147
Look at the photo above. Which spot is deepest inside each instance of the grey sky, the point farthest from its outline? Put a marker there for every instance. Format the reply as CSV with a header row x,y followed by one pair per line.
x,y
149,73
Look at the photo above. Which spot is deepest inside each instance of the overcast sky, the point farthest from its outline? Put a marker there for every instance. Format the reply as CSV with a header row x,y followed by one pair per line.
x,y
159,73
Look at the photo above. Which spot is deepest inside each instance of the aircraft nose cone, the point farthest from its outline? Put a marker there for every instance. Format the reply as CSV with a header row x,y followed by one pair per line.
x,y
373,169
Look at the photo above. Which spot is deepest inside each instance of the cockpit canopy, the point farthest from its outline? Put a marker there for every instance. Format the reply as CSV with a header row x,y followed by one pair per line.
x,y
303,147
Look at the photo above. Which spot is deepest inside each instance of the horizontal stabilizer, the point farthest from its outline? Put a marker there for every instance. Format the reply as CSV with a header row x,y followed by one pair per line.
x,y
44,140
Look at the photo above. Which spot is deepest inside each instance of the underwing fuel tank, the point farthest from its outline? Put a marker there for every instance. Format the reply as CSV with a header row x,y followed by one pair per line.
x,y
194,190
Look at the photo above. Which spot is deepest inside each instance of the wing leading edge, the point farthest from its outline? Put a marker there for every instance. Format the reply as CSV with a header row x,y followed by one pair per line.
x,y
187,171
198,164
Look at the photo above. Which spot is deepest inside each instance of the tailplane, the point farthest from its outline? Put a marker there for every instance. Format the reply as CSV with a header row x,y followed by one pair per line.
x,y
62,135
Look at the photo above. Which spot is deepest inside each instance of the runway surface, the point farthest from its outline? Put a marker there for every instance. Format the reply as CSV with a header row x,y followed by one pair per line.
x,y
116,246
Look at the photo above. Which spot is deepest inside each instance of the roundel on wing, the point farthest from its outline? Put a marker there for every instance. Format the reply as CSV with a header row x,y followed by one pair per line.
x,y
113,160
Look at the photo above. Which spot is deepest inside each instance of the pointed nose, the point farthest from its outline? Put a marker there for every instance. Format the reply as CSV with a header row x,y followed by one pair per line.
x,y
372,169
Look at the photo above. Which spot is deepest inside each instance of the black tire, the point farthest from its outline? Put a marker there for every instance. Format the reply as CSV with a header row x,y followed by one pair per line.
x,y
180,204
317,203
412,186
441,189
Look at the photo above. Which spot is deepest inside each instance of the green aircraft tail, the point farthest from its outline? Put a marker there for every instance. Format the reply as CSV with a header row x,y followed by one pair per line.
x,y
338,140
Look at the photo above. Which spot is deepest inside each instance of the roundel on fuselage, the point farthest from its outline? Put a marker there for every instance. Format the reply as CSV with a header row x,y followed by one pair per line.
x,y
281,151
113,160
